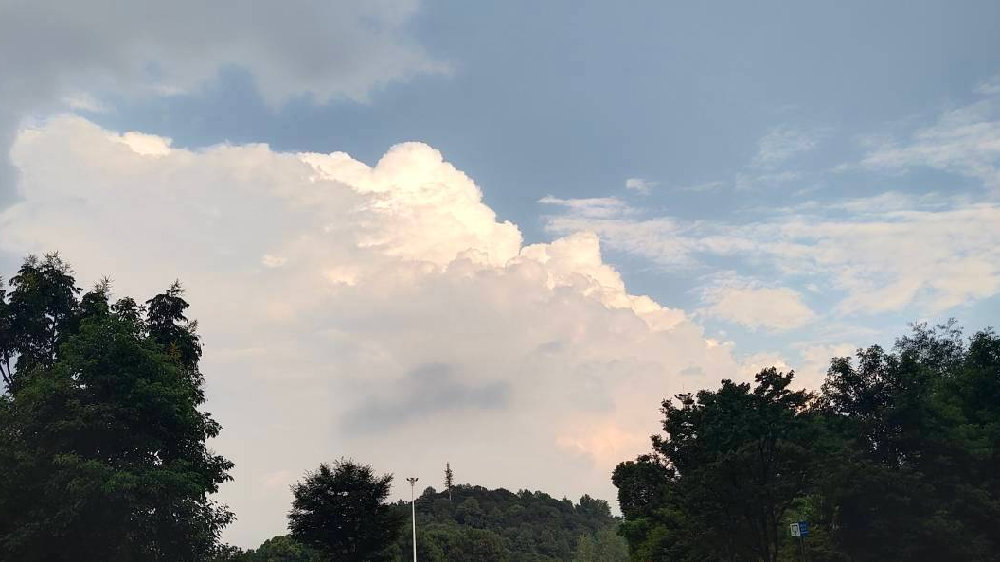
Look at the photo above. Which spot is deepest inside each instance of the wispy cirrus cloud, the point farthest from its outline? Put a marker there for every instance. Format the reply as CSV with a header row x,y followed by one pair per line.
x,y
592,207
782,144
965,141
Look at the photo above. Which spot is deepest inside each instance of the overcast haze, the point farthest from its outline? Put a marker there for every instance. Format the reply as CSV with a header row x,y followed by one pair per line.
x,y
496,236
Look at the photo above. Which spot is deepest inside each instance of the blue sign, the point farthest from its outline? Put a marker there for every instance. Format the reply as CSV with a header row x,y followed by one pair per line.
x,y
803,528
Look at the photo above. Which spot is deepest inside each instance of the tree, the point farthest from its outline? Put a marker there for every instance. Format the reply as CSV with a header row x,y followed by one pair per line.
x,y
449,479
721,481
40,312
896,459
916,477
103,445
602,546
281,549
340,510
6,337
500,525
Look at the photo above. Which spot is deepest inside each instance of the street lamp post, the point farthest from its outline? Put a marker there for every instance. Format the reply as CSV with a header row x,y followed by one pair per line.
x,y
413,509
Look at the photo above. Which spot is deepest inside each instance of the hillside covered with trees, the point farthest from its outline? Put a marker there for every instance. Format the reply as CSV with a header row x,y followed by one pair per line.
x,y
482,524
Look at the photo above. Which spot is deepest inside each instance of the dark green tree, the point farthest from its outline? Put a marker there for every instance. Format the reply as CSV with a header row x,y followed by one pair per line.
x,y
917,478
41,311
169,327
6,338
501,525
732,463
102,445
896,460
340,510
281,549
603,546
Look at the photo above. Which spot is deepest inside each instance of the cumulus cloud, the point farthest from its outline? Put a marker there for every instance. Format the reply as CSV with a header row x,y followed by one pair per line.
x,y
74,51
935,256
330,293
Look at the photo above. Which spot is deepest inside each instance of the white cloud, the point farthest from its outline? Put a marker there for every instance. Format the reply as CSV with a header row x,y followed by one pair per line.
x,y
76,51
706,186
639,185
592,207
758,307
935,258
82,101
815,361
965,141
753,364
267,260
989,87
398,292
781,144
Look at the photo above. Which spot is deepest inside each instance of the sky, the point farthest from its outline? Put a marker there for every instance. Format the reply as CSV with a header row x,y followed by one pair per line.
x,y
498,235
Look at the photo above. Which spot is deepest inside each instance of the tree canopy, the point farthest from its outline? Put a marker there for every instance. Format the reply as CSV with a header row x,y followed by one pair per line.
x,y
482,524
896,458
340,510
102,445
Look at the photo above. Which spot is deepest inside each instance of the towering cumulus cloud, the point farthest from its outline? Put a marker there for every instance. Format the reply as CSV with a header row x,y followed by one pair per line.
x,y
377,311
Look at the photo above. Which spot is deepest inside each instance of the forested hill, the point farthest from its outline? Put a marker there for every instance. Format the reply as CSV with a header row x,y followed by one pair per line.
x,y
477,523
486,526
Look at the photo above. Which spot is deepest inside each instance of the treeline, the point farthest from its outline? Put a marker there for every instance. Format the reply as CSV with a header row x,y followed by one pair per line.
x,y
475,524
897,458
482,524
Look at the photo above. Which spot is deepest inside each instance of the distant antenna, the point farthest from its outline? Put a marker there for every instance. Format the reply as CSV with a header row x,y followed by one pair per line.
x,y
449,478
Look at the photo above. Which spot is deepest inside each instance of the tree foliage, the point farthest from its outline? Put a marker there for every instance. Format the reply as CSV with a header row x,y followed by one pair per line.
x,y
895,459
493,525
102,445
340,510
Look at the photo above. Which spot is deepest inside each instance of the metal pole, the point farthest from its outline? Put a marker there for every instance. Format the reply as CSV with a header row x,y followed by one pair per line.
x,y
413,509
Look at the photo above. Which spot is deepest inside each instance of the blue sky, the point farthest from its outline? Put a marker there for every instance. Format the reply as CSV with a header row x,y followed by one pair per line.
x,y
786,181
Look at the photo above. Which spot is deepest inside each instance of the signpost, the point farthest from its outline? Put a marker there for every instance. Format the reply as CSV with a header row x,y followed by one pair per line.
x,y
800,530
